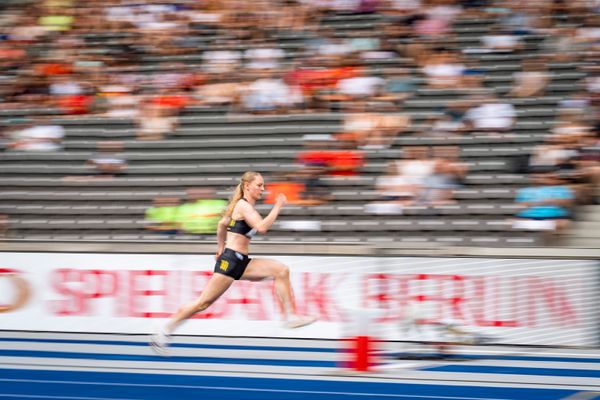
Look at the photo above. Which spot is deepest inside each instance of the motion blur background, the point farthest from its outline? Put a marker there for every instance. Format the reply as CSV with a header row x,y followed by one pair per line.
x,y
391,123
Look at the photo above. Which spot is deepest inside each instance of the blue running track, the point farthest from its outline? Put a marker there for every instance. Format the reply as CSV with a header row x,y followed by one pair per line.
x,y
110,367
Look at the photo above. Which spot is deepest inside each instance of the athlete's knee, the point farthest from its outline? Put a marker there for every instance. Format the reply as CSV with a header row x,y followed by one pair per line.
x,y
283,272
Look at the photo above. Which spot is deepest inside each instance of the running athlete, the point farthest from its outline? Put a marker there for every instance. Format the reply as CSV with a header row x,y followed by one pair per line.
x,y
239,224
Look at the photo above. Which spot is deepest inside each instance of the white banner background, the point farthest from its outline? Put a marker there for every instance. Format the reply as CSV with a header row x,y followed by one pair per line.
x,y
529,301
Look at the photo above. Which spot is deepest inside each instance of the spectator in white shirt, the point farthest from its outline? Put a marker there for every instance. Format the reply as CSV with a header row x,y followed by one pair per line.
x,y
489,114
221,61
264,56
268,94
361,86
40,136
501,41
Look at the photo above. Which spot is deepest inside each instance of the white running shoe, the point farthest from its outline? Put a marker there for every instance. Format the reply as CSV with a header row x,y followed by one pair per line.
x,y
298,321
159,342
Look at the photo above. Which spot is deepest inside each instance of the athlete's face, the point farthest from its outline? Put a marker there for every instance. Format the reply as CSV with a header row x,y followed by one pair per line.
x,y
256,188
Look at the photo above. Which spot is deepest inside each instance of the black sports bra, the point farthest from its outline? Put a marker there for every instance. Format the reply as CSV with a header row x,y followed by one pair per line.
x,y
241,226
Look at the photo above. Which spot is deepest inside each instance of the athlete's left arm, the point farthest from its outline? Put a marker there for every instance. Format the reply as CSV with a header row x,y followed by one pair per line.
x,y
254,219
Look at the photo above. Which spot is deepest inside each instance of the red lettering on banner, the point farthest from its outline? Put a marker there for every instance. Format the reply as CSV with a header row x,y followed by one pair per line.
x,y
485,301
317,299
139,292
79,287
543,292
488,300
472,300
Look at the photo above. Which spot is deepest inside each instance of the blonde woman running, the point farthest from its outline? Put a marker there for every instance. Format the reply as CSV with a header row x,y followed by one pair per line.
x,y
239,224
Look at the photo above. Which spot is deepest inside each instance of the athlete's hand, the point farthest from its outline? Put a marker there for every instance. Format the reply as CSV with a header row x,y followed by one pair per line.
x,y
218,253
281,200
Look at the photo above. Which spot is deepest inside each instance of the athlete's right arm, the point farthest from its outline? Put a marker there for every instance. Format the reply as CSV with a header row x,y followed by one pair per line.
x,y
221,234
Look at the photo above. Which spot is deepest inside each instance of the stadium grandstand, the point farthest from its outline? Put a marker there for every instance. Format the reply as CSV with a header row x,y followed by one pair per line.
x,y
435,122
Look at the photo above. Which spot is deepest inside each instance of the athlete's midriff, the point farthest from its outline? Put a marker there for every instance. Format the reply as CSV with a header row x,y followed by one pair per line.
x,y
237,242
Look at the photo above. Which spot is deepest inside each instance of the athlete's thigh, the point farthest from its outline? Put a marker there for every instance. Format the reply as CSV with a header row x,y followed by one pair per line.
x,y
262,268
215,287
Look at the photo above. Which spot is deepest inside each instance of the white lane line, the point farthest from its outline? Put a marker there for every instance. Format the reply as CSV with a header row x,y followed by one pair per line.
x,y
397,376
39,396
243,389
583,396
175,351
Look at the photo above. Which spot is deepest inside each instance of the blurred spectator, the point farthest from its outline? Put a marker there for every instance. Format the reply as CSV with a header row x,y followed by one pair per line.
x,y
172,77
315,190
390,188
369,130
399,86
345,161
50,66
444,125
296,16
447,175
303,187
287,186
473,76
62,21
41,135
386,50
201,211
546,204
270,94
120,101
362,86
437,19
592,81
531,80
576,103
328,46
28,30
219,91
263,56
316,83
587,164
451,121
29,89
221,60
550,156
499,40
361,42
337,157
391,125
475,8
561,45
413,171
520,18
162,216
570,126
587,36
109,160
4,222
155,122
12,54
489,114
402,8
70,95
172,101
443,69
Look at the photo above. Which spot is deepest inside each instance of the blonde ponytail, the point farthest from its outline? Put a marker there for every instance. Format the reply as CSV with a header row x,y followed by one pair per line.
x,y
238,193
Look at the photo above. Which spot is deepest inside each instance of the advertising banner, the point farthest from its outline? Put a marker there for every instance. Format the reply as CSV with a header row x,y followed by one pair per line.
x,y
514,301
